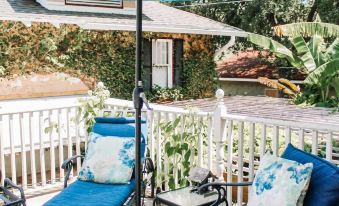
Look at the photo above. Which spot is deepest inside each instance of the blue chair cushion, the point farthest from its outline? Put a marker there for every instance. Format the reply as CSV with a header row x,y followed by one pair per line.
x,y
324,183
89,194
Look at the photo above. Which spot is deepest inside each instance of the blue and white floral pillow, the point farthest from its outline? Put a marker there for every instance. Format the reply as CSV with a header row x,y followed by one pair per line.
x,y
280,182
108,159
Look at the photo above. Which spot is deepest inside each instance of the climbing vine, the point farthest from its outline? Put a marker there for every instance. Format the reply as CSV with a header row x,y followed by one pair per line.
x,y
93,56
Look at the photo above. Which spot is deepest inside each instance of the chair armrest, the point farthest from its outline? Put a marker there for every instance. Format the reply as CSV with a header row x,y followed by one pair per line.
x,y
16,200
219,186
68,166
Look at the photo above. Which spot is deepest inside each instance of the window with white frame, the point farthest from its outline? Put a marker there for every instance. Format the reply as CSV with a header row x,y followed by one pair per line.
x,y
162,63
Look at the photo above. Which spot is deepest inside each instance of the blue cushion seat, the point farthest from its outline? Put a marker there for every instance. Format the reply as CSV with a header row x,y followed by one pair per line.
x,y
324,183
89,194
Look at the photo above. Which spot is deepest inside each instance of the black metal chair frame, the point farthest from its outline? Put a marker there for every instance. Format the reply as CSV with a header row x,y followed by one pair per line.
x,y
8,197
148,169
221,188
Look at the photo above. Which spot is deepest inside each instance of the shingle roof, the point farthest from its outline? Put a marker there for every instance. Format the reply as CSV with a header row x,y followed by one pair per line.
x,y
264,107
250,64
157,18
41,85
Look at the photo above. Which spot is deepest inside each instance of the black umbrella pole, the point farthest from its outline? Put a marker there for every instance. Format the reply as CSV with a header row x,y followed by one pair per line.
x,y
138,103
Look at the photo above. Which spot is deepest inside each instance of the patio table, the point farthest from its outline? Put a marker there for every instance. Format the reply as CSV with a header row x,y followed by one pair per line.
x,y
184,197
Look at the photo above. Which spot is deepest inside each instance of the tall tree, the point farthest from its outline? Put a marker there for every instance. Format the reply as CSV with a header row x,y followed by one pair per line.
x,y
259,16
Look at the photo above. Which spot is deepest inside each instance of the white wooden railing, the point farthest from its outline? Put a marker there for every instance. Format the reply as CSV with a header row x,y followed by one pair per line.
x,y
32,143
232,145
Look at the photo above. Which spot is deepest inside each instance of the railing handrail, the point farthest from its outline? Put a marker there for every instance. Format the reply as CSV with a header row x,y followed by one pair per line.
x,y
175,110
47,108
287,123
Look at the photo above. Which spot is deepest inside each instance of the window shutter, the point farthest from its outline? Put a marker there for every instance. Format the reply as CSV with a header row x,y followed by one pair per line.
x,y
178,61
147,67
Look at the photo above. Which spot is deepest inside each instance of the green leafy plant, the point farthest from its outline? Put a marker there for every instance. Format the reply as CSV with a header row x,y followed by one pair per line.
x,y
181,147
93,56
321,64
92,106
159,94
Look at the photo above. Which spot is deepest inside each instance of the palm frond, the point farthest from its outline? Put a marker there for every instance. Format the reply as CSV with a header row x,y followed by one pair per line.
x,y
278,49
304,53
307,29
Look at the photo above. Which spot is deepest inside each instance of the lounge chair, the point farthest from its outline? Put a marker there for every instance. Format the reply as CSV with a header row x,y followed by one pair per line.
x,y
90,193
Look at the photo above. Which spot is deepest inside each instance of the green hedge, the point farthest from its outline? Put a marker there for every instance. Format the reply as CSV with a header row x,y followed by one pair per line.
x,y
106,56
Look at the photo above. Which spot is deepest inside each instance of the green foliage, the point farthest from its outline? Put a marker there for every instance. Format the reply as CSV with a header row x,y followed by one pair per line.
x,y
92,106
93,56
181,148
321,64
275,47
308,29
200,76
159,94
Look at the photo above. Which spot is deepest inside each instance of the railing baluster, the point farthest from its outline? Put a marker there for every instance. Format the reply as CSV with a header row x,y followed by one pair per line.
x,y
77,140
275,141
182,130
159,167
151,134
210,142
32,148
287,135
251,151
240,161
23,151
229,157
329,146
166,159
263,141
42,150
69,137
301,139
61,144
200,142
13,162
2,155
175,166
51,149
315,142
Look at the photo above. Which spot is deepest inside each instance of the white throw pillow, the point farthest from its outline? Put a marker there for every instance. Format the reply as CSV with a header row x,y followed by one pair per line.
x,y
108,159
279,182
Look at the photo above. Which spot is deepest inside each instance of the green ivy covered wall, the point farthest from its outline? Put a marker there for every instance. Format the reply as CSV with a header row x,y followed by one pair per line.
x,y
106,56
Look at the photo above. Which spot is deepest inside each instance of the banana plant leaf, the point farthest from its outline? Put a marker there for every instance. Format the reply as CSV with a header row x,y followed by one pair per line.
x,y
332,51
307,29
327,71
278,49
335,85
304,53
317,48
